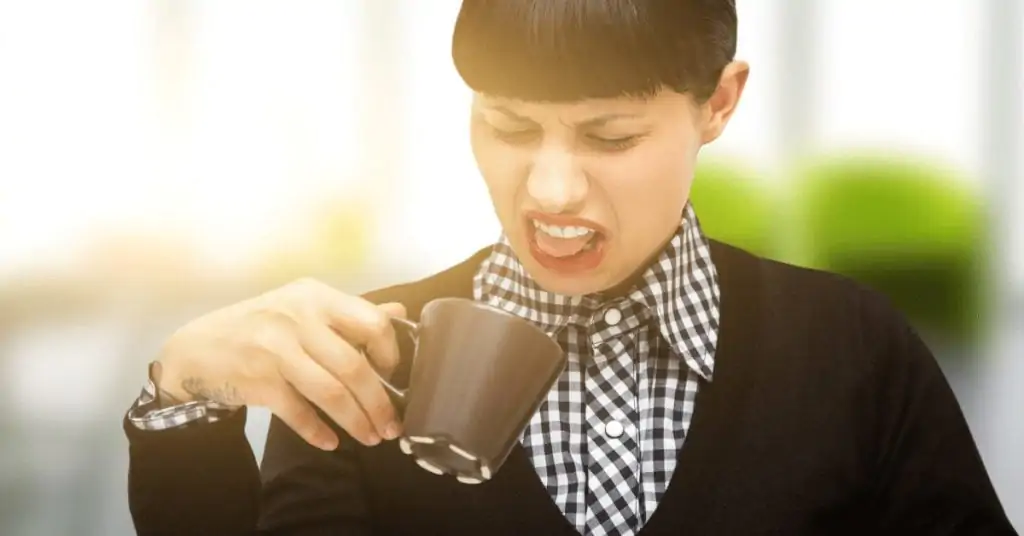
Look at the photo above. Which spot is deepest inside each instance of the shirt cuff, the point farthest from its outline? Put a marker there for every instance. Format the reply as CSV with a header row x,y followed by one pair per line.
x,y
147,413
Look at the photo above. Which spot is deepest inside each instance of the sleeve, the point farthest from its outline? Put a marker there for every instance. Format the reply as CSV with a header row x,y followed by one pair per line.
x,y
201,478
194,479
930,477
151,412
310,492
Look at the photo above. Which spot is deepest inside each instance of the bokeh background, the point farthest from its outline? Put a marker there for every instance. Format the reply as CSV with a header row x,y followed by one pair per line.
x,y
159,158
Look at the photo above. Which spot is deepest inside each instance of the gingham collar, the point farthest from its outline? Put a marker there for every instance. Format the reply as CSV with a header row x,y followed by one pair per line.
x,y
679,290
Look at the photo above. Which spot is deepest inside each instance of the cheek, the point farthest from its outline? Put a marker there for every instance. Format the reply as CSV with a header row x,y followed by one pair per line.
x,y
649,185
500,168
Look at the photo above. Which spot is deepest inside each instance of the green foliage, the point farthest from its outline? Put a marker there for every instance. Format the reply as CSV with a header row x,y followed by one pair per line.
x,y
735,207
910,229
882,206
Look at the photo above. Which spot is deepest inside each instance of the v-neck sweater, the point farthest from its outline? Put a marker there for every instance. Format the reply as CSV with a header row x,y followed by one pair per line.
x,y
827,415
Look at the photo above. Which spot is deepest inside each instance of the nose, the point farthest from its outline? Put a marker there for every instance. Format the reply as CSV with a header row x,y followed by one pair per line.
x,y
556,181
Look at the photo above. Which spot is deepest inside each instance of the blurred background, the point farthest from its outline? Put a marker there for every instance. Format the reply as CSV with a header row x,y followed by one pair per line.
x,y
161,158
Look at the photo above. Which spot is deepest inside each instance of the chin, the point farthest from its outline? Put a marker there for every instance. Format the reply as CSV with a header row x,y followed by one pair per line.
x,y
565,285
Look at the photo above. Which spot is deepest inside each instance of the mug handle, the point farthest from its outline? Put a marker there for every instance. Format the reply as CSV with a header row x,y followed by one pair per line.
x,y
411,330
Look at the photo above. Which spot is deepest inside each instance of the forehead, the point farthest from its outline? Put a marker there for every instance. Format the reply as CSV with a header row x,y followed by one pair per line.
x,y
620,107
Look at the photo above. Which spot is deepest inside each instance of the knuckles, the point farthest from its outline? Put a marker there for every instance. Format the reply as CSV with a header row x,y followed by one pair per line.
x,y
347,368
334,393
273,329
378,324
305,290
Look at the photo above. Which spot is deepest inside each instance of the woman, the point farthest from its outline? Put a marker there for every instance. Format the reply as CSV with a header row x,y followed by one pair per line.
x,y
707,391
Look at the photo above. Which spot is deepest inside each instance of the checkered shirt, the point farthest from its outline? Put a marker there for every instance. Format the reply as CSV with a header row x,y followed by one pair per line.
x,y
148,413
636,360
642,372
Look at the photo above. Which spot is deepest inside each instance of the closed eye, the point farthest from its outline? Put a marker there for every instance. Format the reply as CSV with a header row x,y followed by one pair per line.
x,y
517,136
612,144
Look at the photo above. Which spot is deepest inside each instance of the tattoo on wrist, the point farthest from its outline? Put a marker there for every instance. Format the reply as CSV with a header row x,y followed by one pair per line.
x,y
225,394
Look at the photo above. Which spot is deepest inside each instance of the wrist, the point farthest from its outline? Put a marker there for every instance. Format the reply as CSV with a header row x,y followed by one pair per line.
x,y
168,384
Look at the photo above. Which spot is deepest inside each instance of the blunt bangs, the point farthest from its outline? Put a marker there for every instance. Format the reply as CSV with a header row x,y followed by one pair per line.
x,y
569,50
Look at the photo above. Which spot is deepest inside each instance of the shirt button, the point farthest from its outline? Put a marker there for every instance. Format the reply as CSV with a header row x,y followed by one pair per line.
x,y
612,316
613,429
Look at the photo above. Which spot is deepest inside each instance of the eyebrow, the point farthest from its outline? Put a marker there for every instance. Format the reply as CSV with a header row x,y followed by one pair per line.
x,y
597,121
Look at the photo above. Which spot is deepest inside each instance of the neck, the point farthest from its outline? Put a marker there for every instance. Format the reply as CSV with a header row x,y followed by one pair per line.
x,y
635,278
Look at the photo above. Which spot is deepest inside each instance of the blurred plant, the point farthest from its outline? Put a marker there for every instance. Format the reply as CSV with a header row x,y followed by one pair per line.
x,y
912,230
337,243
736,207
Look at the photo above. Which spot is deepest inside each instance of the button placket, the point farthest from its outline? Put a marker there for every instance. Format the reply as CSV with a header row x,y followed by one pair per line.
x,y
614,465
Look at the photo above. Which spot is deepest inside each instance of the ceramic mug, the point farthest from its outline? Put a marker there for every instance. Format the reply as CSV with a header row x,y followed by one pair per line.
x,y
475,375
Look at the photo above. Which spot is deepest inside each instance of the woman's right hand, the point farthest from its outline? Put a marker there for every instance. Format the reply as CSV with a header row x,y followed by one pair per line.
x,y
289,347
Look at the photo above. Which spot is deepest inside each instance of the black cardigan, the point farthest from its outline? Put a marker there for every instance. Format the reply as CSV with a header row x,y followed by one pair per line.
x,y
826,415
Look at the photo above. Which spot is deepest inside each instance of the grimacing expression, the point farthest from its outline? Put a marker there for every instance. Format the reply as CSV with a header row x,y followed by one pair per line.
x,y
623,166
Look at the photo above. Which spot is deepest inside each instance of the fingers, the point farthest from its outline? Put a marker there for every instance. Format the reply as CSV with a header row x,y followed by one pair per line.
x,y
350,367
393,309
294,411
320,387
364,324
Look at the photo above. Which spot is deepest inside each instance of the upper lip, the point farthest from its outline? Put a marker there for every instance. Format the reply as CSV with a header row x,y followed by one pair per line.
x,y
563,220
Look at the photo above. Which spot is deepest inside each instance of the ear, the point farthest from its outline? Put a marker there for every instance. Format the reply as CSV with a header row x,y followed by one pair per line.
x,y
719,108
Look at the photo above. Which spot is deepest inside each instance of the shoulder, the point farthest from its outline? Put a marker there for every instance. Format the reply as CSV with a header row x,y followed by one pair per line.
x,y
454,281
829,343
796,307
798,289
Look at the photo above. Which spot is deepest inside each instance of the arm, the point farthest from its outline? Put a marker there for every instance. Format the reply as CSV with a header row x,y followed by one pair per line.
x,y
294,351
184,460
198,479
930,477
310,492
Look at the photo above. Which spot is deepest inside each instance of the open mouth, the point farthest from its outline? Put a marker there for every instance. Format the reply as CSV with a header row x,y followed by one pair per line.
x,y
565,248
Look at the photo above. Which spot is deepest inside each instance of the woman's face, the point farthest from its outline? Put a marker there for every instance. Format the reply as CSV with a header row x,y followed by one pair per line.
x,y
587,192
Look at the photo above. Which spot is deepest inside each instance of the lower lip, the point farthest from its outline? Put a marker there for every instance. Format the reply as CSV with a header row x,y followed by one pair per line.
x,y
572,265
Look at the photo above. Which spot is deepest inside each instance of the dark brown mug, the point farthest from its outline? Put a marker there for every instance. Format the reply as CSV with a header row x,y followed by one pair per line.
x,y
475,377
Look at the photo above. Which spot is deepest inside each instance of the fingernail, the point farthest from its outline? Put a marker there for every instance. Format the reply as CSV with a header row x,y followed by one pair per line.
x,y
392,431
328,443
372,439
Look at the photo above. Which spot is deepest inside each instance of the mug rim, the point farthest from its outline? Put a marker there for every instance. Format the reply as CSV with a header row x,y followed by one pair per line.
x,y
489,307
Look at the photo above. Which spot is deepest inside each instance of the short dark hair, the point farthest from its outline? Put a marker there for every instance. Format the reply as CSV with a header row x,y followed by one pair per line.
x,y
567,50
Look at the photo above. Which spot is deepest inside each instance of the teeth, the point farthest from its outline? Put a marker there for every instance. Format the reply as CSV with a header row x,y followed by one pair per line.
x,y
562,232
